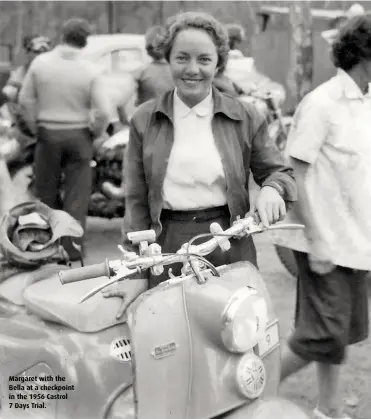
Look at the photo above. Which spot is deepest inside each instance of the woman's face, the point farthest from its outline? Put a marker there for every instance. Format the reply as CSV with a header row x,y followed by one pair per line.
x,y
193,63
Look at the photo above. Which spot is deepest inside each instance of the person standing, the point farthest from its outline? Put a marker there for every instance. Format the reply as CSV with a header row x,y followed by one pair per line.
x,y
59,94
33,46
329,148
154,78
191,150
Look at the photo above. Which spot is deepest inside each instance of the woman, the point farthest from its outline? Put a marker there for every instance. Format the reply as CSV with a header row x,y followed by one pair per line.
x,y
33,46
236,36
155,78
330,150
190,151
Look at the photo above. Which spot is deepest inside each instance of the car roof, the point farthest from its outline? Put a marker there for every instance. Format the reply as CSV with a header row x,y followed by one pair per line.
x,y
100,44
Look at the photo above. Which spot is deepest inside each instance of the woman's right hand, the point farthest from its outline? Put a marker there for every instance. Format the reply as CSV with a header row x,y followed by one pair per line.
x,y
270,206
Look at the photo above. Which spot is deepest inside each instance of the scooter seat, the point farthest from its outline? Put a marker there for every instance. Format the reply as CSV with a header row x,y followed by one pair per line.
x,y
59,303
13,287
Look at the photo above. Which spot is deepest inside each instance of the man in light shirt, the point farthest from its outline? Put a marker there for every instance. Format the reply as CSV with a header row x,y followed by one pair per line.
x,y
59,93
330,149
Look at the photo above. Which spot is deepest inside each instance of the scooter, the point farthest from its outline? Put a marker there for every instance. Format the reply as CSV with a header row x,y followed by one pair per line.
x,y
204,345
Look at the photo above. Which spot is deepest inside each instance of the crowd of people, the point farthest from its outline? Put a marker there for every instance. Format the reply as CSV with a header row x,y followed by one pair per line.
x,y
188,109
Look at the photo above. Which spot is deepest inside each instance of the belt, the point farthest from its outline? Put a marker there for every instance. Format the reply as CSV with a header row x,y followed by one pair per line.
x,y
196,215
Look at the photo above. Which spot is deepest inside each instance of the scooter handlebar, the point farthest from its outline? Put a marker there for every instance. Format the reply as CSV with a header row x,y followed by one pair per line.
x,y
86,272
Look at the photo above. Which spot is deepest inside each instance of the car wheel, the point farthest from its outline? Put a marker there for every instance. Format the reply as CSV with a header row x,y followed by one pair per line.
x,y
287,258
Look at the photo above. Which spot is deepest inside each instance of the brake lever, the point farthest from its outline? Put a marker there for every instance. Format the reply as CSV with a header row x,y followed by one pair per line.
x,y
286,227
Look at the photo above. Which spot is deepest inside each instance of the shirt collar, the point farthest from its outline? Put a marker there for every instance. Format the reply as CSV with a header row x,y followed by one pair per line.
x,y
68,51
350,88
203,108
222,104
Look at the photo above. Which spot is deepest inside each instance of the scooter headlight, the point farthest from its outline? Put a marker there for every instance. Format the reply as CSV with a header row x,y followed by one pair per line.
x,y
277,408
244,320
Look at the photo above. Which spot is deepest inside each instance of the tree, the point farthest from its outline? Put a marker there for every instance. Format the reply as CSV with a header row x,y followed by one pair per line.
x,y
301,49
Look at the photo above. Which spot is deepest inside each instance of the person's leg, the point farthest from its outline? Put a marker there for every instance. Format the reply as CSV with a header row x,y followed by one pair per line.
x,y
291,363
48,167
353,285
328,376
78,152
323,321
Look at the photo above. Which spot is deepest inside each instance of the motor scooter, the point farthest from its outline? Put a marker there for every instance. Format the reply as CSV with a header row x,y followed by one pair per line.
x,y
203,345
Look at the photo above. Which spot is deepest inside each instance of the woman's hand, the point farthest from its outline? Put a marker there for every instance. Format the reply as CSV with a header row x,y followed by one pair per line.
x,y
127,291
270,206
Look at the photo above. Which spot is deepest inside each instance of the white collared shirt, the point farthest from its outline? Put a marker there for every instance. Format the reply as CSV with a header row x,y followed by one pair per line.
x,y
332,132
195,176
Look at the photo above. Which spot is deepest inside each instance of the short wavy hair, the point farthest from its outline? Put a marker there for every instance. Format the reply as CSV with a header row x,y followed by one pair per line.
x,y
236,34
197,20
353,45
152,36
75,32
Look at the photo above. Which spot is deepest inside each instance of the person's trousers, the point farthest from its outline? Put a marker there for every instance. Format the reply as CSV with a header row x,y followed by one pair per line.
x,y
179,227
66,152
331,312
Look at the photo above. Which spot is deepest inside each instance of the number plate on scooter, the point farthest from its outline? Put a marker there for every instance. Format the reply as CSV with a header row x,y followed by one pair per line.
x,y
270,340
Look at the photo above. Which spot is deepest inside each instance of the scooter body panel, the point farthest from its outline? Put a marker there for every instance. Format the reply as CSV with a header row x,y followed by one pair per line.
x,y
98,366
195,373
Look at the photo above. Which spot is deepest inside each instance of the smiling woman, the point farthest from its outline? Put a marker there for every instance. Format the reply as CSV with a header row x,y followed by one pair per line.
x,y
196,47
191,150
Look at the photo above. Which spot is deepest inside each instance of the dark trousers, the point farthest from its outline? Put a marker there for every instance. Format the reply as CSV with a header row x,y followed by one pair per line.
x,y
331,312
68,152
179,227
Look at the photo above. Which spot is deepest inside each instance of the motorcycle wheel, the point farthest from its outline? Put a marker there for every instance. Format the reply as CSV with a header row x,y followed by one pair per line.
x,y
276,133
287,258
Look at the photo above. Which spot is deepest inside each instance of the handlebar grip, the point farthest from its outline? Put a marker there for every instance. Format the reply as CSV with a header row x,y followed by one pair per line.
x,y
86,272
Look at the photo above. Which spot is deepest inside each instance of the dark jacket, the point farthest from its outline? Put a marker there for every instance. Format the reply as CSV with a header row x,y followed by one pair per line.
x,y
153,80
241,137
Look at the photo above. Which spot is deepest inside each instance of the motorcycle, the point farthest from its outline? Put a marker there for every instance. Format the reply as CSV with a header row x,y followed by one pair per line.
x,y
107,201
269,104
203,345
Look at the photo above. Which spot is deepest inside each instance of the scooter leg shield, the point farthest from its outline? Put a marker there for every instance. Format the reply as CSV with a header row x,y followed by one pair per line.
x,y
176,334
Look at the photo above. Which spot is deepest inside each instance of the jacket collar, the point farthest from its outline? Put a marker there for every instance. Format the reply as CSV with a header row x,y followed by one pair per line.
x,y
223,104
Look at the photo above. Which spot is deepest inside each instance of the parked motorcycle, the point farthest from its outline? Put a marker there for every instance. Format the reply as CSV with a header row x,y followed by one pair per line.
x,y
268,104
106,200
204,345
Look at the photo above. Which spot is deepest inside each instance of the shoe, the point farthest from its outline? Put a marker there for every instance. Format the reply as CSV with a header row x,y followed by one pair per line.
x,y
317,414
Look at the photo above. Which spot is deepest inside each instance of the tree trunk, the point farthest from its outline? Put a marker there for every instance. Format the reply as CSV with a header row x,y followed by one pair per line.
x,y
301,49
111,17
19,30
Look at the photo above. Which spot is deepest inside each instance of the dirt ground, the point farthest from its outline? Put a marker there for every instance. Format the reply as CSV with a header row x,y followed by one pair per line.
x,y
103,236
